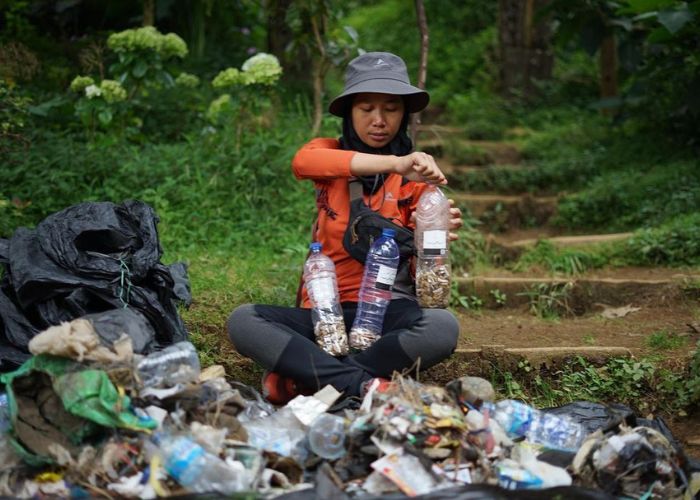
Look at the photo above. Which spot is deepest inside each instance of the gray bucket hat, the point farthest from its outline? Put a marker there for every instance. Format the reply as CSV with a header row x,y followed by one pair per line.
x,y
381,72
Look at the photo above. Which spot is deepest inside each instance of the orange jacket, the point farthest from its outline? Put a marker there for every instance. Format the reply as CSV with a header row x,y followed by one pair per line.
x,y
328,167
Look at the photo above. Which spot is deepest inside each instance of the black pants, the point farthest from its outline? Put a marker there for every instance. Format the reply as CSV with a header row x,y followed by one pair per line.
x,y
282,339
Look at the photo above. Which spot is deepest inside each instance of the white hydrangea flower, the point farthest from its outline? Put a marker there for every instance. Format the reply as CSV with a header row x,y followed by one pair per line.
x,y
92,91
262,68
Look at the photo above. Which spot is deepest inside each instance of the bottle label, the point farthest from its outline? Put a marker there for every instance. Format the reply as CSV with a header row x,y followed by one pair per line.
x,y
435,242
385,277
321,291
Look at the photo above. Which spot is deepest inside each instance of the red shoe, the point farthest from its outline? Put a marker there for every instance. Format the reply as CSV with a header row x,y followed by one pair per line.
x,y
280,390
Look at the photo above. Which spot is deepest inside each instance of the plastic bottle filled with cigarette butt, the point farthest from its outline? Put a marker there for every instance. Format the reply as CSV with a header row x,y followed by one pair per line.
x,y
375,291
433,273
326,313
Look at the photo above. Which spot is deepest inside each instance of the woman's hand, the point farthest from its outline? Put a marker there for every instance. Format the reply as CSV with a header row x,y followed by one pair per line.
x,y
419,167
455,220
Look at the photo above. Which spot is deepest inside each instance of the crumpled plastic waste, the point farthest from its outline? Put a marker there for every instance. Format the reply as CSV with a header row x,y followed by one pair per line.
x,y
636,463
85,259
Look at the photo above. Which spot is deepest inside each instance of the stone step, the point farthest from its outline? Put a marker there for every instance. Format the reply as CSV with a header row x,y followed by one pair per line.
x,y
573,241
511,249
500,212
488,152
509,357
574,296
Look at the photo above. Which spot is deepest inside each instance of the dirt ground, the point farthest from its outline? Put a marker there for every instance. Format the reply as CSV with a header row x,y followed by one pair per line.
x,y
519,328
687,432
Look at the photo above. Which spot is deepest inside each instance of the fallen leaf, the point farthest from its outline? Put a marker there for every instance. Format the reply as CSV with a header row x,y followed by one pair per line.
x,y
618,312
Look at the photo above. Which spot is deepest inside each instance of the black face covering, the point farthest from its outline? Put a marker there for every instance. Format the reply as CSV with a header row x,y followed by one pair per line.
x,y
400,145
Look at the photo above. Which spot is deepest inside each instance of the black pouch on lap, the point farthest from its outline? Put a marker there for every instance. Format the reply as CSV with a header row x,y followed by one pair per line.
x,y
365,225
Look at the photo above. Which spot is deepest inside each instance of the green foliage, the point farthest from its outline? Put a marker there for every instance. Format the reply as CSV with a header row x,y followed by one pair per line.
x,y
482,114
14,110
567,261
549,300
498,296
663,340
261,69
642,384
187,80
675,243
142,55
462,40
464,153
219,191
469,302
657,46
632,197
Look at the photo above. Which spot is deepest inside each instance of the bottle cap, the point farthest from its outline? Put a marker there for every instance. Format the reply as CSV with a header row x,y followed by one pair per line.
x,y
391,233
315,247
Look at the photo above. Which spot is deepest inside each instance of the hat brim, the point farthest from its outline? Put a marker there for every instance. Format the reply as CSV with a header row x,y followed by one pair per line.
x,y
415,98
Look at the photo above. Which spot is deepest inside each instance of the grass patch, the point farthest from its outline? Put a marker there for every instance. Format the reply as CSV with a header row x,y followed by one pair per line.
x,y
567,261
221,282
549,301
643,384
464,153
664,341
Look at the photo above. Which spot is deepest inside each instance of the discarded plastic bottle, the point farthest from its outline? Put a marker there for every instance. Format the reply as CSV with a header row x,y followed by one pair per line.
x,y
195,469
4,413
375,292
327,436
551,431
433,273
326,313
176,364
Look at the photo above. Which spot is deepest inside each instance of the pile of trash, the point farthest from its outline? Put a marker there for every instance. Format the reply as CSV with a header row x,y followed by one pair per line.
x,y
87,417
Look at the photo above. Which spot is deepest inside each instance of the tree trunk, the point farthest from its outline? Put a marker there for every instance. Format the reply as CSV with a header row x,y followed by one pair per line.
x,y
524,46
423,67
608,70
319,75
279,36
149,12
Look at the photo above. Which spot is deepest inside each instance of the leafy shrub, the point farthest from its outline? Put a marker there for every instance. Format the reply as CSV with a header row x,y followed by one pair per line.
x,y
674,243
568,261
227,190
628,198
482,114
13,113
250,88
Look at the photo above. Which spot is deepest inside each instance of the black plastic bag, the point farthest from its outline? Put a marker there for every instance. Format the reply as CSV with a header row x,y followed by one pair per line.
x,y
89,258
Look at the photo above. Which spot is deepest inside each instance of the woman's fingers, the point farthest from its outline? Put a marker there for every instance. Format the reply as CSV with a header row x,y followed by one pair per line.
x,y
425,165
452,236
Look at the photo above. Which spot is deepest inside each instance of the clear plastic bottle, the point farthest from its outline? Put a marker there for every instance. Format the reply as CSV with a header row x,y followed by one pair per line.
x,y
433,273
176,364
327,436
326,313
552,431
375,292
194,468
